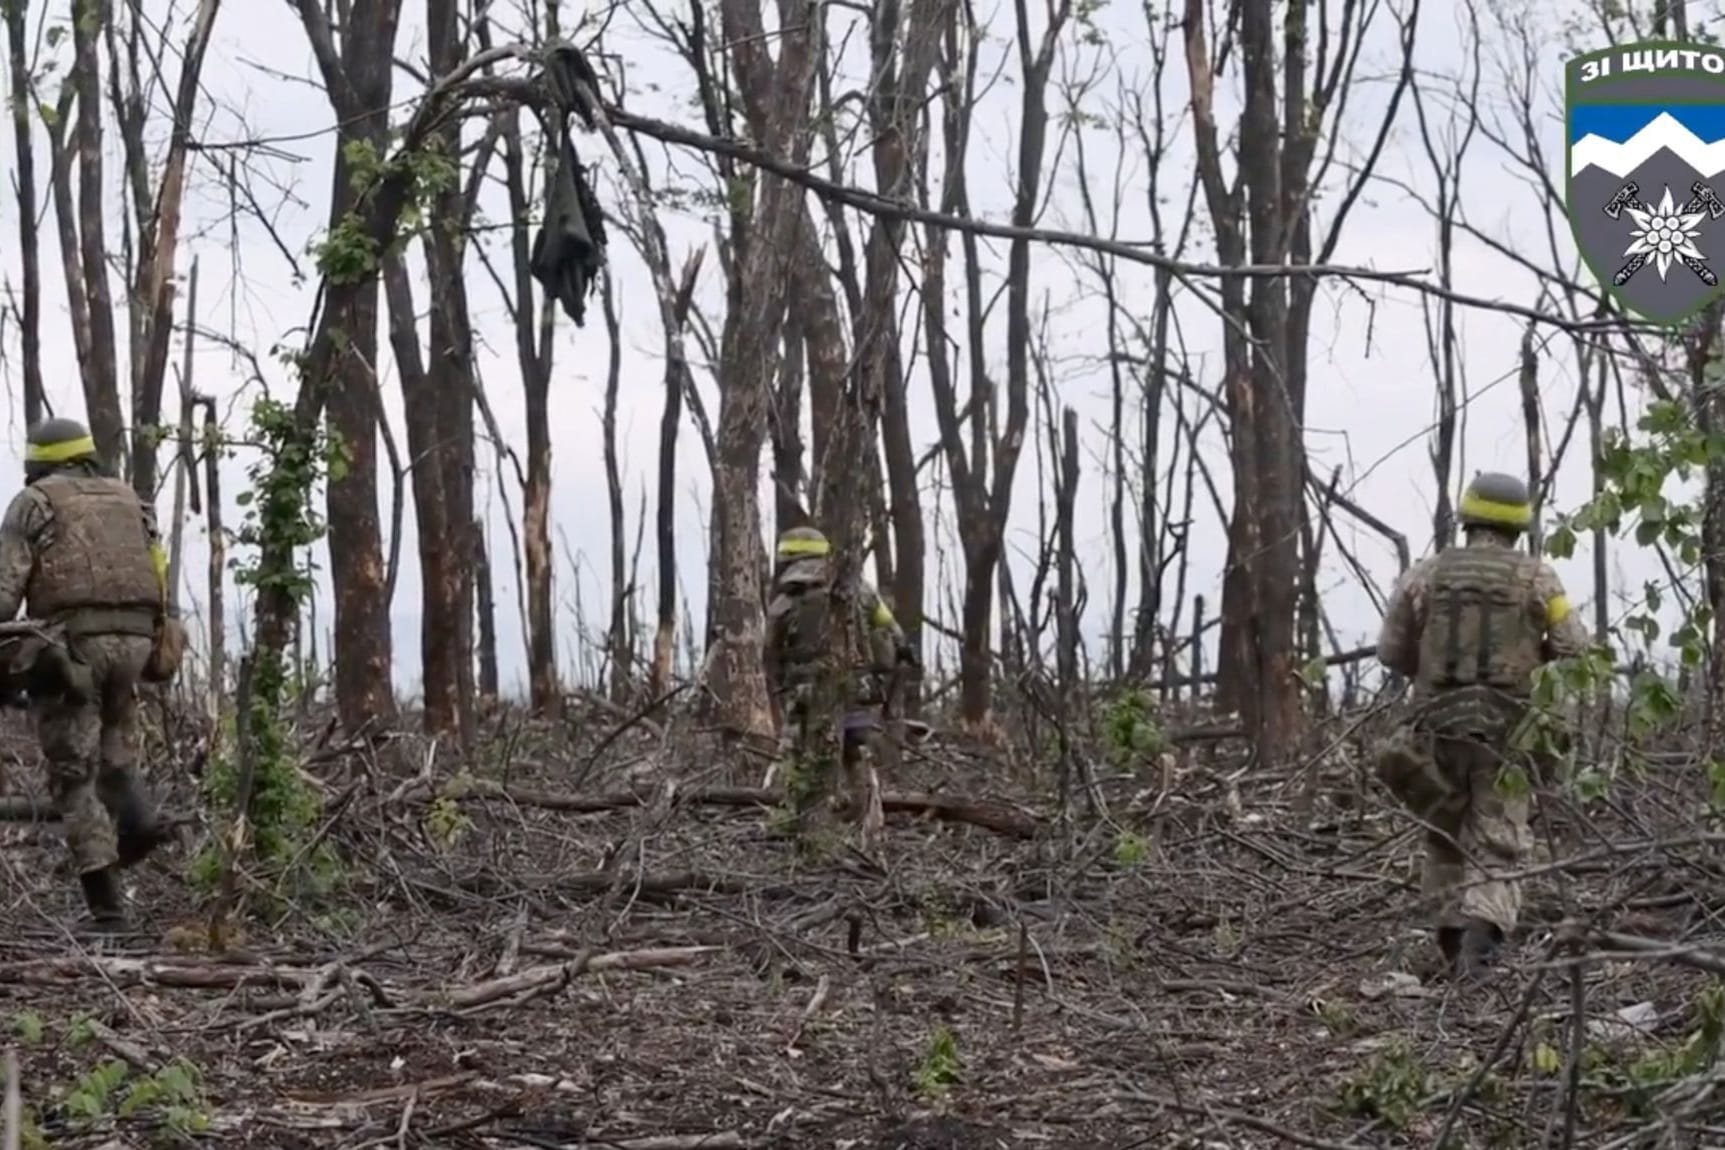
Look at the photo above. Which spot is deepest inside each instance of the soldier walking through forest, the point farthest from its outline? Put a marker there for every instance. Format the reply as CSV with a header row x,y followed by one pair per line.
x,y
800,618
81,550
1470,625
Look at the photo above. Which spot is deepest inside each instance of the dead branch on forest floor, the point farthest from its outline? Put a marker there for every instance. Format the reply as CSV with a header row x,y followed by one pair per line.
x,y
992,815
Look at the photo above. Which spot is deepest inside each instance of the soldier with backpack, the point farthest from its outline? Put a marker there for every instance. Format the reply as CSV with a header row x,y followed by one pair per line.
x,y
1469,626
803,612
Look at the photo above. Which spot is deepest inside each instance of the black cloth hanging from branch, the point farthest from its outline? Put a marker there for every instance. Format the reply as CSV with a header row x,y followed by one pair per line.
x,y
569,251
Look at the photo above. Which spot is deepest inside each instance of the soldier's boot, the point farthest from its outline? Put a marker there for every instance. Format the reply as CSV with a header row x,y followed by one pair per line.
x,y
1470,949
106,904
138,831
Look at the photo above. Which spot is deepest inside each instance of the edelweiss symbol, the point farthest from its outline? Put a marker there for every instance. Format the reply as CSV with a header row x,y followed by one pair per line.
x,y
1665,233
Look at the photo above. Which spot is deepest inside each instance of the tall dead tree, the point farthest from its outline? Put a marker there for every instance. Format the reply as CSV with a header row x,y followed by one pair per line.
x,y
753,324
1263,215
438,393
135,51
339,374
983,495
902,50
28,312
534,317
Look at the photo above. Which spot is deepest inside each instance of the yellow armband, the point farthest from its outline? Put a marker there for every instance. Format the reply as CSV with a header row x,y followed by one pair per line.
x,y
159,561
1556,610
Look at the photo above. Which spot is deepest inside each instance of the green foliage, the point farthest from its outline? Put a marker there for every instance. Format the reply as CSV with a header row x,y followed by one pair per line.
x,y
284,810
278,522
1634,472
1130,849
1392,1087
28,1027
446,824
173,1095
347,254
939,1070
350,252
1131,730
1637,472
171,1098
808,777
93,1096
277,509
1636,1082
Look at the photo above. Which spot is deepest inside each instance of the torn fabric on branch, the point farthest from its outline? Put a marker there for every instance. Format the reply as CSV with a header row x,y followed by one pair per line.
x,y
569,251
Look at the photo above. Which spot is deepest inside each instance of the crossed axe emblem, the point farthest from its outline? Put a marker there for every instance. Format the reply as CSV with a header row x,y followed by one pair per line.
x,y
1702,198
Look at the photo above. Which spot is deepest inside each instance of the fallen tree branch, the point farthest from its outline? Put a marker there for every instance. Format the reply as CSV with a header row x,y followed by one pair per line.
x,y
126,972
990,815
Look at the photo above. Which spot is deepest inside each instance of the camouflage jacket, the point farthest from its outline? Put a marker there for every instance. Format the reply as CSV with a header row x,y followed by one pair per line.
x,y
786,653
1560,633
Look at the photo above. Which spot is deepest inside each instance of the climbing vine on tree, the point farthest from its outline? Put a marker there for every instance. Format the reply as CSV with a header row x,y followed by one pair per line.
x,y
351,252
279,522
272,802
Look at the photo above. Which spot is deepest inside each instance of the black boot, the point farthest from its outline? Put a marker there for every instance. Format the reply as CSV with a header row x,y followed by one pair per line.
x,y
136,829
102,896
1470,949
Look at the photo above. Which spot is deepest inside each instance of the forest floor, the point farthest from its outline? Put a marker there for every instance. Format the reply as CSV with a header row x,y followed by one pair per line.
x,y
1207,967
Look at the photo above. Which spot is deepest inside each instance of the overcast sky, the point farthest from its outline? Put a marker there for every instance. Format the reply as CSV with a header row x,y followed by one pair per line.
x,y
1371,399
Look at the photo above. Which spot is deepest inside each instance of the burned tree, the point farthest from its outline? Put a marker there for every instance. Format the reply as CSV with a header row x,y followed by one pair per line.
x,y
133,48
1263,216
753,322
338,371
983,494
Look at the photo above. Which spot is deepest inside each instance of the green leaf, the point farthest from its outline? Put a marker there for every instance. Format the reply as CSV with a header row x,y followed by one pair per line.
x,y
1546,1060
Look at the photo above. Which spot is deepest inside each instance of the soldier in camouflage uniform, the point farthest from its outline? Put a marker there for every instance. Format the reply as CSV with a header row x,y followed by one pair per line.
x,y
1470,625
799,623
81,550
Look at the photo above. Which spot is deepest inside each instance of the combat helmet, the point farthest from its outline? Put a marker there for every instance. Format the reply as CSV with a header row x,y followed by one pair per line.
x,y
794,547
54,443
1497,502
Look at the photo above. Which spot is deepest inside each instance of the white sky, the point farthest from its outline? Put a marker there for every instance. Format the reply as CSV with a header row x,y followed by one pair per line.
x,y
1371,399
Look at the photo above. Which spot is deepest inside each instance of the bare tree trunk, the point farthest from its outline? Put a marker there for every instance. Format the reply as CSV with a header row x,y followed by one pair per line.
x,y
617,636
789,500
359,80
1235,655
152,300
450,368
100,361
534,351
185,474
212,451
29,246
665,510
1528,381
1273,706
486,609
420,406
746,368
900,150
984,496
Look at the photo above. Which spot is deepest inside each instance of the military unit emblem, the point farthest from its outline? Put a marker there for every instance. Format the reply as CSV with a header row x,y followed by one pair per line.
x,y
1646,144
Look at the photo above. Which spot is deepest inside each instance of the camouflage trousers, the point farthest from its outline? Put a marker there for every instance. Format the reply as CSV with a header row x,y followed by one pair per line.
x,y
813,748
1476,826
91,746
